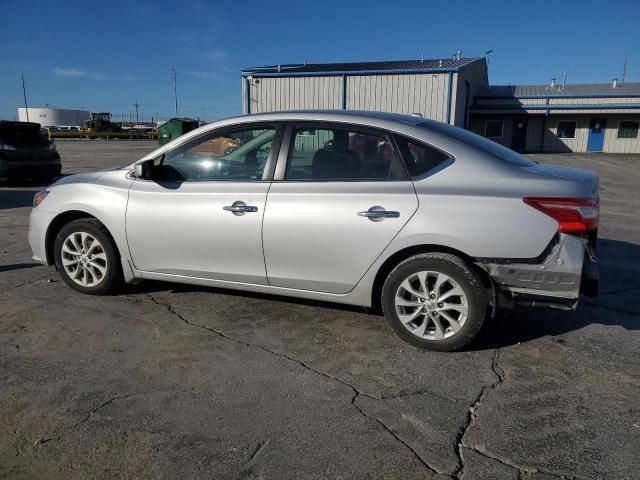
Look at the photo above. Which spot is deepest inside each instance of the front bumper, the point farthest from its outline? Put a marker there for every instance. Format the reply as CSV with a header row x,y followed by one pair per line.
x,y
39,221
557,281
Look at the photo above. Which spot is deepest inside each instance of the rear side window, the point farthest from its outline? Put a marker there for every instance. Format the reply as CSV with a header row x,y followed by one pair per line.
x,y
479,142
342,154
419,157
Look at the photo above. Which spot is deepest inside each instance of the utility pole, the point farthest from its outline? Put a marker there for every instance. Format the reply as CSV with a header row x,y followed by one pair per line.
x,y
24,93
624,69
136,105
175,88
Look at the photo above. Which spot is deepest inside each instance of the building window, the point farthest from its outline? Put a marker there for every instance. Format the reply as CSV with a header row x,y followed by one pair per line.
x,y
493,128
566,129
628,129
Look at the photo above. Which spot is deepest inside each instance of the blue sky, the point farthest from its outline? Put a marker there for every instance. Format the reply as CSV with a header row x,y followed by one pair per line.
x,y
105,56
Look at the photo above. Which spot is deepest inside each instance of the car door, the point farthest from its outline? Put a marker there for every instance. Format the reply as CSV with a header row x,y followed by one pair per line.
x,y
201,215
339,196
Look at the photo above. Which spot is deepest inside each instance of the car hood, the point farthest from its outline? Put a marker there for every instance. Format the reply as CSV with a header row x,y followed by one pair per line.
x,y
79,178
88,177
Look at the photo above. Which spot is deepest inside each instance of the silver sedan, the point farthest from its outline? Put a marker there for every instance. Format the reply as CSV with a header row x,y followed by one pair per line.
x,y
431,224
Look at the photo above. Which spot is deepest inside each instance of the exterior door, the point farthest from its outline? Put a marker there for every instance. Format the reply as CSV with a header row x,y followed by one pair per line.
x,y
336,205
201,215
519,134
597,127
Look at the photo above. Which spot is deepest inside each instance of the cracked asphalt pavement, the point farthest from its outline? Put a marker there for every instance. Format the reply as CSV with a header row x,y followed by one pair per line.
x,y
172,381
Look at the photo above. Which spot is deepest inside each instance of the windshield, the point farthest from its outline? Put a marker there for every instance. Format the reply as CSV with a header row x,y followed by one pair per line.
x,y
481,143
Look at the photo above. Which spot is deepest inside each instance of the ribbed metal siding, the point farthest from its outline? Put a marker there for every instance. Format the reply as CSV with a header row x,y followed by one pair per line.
x,y
272,94
577,144
476,75
420,93
613,144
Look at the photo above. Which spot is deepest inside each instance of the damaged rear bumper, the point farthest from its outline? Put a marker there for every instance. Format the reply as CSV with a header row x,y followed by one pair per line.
x,y
557,281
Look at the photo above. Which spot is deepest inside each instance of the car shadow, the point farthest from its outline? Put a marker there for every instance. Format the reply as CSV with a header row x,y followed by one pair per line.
x,y
17,266
16,198
152,286
617,304
619,264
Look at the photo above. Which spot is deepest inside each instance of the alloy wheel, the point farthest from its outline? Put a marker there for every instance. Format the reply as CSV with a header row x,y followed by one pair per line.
x,y
431,305
84,259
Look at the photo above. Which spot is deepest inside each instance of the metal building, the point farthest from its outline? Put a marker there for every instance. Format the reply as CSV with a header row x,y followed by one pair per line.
x,y
55,117
557,118
436,89
550,118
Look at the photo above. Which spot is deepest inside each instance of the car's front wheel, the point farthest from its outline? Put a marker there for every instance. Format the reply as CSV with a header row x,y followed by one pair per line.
x,y
86,257
434,301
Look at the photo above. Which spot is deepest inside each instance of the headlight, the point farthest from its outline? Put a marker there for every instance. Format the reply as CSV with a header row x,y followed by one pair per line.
x,y
4,146
39,197
52,146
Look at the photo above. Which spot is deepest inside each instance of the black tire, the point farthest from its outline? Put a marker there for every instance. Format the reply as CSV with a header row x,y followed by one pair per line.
x,y
112,279
457,270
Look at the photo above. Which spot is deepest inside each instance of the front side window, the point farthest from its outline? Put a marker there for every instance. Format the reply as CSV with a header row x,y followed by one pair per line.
x,y
341,154
566,129
628,129
493,128
419,157
235,155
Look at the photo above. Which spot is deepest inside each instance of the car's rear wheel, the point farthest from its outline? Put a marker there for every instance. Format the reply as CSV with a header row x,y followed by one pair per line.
x,y
87,258
434,301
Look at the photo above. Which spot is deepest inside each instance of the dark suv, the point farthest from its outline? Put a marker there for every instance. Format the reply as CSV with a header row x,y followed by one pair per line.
x,y
26,153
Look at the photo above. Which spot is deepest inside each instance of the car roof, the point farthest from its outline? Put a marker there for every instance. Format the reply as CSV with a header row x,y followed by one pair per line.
x,y
337,115
398,122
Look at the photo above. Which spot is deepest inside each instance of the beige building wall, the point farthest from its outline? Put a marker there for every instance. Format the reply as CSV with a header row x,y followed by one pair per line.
x,y
425,94
612,144
273,94
476,75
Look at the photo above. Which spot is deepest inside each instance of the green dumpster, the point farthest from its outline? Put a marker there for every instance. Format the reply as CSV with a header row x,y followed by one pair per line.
x,y
175,127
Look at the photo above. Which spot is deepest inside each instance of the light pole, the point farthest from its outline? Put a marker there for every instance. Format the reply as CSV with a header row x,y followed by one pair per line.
x,y
137,105
175,88
24,93
486,54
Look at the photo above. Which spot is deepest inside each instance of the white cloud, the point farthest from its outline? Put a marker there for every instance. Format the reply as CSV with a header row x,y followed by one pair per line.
x,y
213,55
203,74
74,72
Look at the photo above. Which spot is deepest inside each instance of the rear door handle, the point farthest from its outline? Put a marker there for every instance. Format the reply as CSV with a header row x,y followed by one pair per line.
x,y
240,208
377,214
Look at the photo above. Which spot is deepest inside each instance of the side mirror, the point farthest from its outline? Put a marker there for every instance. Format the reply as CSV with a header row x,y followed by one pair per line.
x,y
143,170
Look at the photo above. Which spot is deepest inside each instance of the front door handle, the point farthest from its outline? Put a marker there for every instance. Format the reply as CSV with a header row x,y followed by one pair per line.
x,y
240,208
377,214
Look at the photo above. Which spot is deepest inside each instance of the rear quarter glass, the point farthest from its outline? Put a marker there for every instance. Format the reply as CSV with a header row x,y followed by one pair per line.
x,y
481,143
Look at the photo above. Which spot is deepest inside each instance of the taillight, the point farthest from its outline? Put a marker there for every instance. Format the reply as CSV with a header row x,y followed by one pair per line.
x,y
574,215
